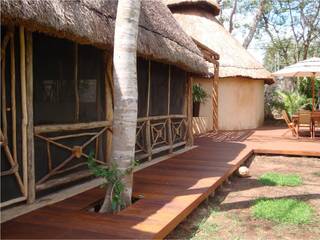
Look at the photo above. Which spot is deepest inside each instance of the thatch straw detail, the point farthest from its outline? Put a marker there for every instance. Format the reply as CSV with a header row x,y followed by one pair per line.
x,y
208,5
92,22
234,60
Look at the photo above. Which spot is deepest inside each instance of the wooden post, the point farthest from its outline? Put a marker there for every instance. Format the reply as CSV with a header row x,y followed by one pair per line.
x,y
313,93
108,103
76,82
148,125
30,135
24,108
186,98
169,118
13,96
98,92
190,134
215,96
3,84
3,90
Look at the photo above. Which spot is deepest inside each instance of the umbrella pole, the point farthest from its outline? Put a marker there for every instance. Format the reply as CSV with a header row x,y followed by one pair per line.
x,y
313,97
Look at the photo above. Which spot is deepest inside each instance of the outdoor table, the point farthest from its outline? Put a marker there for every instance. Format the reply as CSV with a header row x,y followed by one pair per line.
x,y
315,117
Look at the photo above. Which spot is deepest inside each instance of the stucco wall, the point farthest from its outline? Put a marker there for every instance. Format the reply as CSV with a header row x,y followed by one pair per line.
x,y
241,103
204,122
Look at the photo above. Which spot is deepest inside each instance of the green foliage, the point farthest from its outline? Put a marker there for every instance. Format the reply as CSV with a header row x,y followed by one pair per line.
x,y
292,102
276,179
207,227
198,93
113,175
286,211
293,27
304,87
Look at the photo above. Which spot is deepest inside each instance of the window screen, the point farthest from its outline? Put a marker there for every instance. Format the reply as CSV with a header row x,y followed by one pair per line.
x,y
159,89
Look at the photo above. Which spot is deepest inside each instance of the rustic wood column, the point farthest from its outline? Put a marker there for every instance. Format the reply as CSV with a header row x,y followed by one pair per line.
x,y
24,124
169,118
108,103
148,124
30,135
189,113
215,96
76,83
3,86
13,95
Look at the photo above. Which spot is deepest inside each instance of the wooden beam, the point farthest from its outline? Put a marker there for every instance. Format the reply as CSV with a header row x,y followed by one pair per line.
x,y
162,158
215,96
24,124
148,125
12,201
142,119
108,103
70,127
76,83
169,119
11,213
3,87
63,180
30,136
189,125
161,149
13,95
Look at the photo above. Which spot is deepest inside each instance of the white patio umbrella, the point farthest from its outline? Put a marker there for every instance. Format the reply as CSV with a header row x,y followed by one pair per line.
x,y
305,68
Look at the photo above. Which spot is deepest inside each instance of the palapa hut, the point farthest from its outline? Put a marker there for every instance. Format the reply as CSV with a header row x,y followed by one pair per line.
x,y
239,92
56,71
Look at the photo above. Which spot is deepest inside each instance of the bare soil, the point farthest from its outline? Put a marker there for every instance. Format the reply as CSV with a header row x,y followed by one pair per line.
x,y
227,215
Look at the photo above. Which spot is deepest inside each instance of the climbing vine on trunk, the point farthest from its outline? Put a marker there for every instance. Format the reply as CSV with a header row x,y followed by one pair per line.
x,y
114,177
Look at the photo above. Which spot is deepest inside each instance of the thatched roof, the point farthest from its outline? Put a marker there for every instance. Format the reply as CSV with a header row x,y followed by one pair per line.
x,y
207,5
235,60
92,22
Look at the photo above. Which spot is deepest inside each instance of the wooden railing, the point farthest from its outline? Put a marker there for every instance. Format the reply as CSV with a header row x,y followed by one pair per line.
x,y
65,172
156,134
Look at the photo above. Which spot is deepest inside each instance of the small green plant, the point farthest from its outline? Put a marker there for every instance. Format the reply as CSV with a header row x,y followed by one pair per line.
x,y
286,211
292,102
198,93
114,176
277,179
207,227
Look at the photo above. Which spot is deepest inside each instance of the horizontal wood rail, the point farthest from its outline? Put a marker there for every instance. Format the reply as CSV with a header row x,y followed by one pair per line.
x,y
161,117
70,126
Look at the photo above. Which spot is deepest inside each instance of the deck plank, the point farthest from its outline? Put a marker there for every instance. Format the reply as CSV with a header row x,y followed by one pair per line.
x,y
172,189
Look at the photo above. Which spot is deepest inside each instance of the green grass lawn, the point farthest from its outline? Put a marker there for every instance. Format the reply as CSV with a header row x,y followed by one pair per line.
x,y
277,179
287,211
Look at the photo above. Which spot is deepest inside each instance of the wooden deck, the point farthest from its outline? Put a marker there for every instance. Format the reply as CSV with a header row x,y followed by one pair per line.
x,y
171,190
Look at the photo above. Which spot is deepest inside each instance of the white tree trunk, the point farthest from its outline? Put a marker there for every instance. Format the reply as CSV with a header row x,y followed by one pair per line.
x,y
125,89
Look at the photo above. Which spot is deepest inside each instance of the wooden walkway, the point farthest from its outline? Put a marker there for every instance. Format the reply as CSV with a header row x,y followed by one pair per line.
x,y
171,190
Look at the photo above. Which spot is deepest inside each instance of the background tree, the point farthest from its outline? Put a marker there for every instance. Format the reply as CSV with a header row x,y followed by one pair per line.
x,y
236,16
255,22
293,27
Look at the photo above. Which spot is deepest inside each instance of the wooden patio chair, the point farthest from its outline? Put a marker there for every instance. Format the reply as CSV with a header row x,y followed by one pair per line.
x,y
290,124
316,124
304,121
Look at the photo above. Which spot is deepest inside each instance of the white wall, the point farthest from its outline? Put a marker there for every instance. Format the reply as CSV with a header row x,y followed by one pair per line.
x,y
241,103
